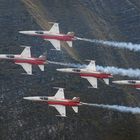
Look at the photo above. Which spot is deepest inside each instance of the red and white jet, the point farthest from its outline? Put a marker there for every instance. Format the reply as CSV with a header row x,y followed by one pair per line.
x,y
25,60
58,101
89,73
131,83
54,36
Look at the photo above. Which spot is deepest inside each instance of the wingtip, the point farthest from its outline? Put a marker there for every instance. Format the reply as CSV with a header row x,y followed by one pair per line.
x,y
53,22
24,46
61,116
55,49
90,60
58,88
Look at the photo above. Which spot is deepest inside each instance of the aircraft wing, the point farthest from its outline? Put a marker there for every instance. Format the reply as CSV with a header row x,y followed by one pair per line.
x,y
92,81
60,93
55,28
55,43
27,67
61,109
26,52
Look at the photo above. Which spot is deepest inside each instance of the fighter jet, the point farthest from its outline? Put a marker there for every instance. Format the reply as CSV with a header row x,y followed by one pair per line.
x,y
58,101
89,73
25,60
131,83
53,35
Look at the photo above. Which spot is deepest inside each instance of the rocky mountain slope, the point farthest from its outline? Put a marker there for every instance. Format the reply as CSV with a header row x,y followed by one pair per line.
x,y
108,20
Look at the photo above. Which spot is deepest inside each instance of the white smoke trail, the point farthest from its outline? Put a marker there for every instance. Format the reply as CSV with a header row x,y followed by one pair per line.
x,y
67,64
123,45
125,109
108,69
120,71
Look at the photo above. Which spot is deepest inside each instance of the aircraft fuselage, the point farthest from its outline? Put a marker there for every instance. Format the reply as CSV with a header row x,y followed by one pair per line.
x,y
54,101
20,59
86,73
49,35
132,83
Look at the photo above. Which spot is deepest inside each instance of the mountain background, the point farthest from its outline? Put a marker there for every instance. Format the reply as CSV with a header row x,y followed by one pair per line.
x,y
96,19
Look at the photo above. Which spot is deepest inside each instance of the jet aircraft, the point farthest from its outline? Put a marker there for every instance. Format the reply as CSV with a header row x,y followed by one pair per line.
x,y
53,35
58,101
131,83
90,73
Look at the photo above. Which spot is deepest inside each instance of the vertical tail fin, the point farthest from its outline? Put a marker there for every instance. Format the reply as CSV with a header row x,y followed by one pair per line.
x,y
55,28
91,65
26,52
43,57
71,33
76,99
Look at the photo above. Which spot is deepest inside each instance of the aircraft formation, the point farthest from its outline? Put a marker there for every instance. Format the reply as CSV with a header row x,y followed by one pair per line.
x,y
89,72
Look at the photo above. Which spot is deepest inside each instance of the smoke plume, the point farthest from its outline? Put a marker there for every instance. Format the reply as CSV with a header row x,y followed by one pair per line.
x,y
120,71
125,109
123,45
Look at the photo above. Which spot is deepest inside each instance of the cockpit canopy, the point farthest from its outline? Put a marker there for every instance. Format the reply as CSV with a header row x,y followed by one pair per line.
x,y
10,56
132,82
39,32
76,70
44,98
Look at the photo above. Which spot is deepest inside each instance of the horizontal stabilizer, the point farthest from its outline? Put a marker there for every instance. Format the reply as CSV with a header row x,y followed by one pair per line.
x,y
69,43
75,108
41,67
106,80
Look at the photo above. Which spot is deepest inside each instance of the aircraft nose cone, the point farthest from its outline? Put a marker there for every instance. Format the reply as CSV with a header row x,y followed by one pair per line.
x,y
26,98
26,32
61,70
64,70
31,98
115,82
22,32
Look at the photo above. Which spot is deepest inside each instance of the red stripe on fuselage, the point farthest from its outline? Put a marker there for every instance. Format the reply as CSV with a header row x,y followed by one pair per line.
x,y
33,62
57,37
136,86
97,75
67,103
